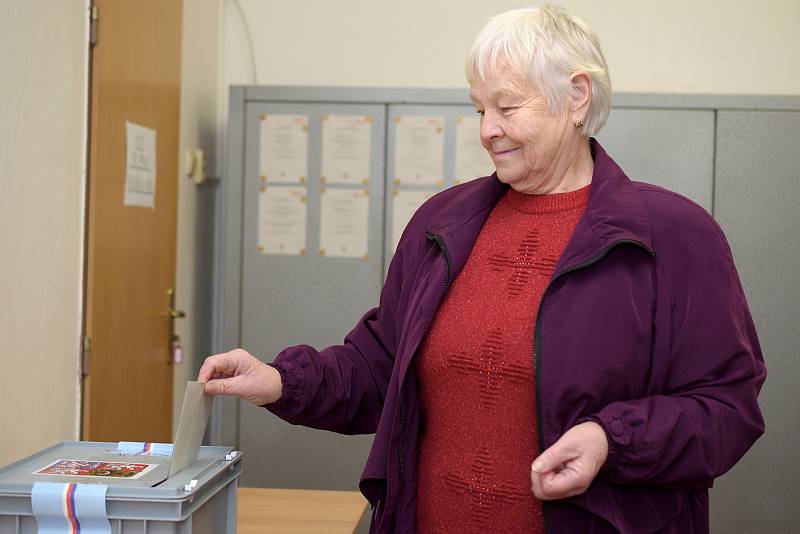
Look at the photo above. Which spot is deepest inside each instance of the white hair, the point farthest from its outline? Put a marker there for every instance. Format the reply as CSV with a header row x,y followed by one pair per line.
x,y
546,45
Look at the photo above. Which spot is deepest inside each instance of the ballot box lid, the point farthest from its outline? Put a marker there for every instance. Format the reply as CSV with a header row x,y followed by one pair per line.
x,y
149,483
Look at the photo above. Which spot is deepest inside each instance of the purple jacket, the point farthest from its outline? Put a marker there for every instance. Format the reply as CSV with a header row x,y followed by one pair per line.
x,y
643,328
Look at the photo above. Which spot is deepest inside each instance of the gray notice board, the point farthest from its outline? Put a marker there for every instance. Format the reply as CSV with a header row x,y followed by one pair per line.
x,y
310,299
734,155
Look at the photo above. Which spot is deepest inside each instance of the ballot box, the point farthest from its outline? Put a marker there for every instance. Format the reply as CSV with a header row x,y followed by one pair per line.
x,y
119,488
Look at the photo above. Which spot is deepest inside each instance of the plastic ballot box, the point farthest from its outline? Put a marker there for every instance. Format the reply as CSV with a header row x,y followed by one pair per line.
x,y
119,488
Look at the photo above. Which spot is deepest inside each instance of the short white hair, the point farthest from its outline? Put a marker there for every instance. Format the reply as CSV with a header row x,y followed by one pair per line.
x,y
546,45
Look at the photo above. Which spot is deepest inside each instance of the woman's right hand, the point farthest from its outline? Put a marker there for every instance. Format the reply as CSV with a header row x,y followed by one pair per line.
x,y
241,374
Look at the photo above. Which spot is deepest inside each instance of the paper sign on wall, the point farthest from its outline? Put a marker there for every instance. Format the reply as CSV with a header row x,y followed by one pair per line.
x,y
405,205
140,167
346,148
472,160
419,150
344,223
282,220
284,148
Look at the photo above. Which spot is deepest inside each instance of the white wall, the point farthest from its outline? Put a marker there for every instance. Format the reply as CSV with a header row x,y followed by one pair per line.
x,y
42,151
199,80
681,46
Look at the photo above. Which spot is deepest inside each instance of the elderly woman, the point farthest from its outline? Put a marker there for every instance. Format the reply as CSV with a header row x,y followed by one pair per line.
x,y
557,348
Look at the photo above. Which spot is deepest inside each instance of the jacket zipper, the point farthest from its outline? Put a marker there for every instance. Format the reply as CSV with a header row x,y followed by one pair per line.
x,y
401,463
537,355
439,241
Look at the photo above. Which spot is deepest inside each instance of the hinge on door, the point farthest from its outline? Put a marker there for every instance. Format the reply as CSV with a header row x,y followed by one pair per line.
x,y
94,21
86,353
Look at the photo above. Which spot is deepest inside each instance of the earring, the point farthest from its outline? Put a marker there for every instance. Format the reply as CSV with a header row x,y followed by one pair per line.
x,y
578,123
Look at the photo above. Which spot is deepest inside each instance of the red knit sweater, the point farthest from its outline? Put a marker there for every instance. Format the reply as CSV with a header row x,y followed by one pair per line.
x,y
476,375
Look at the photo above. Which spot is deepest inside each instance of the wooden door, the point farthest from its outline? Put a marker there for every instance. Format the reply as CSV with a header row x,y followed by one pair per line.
x,y
135,76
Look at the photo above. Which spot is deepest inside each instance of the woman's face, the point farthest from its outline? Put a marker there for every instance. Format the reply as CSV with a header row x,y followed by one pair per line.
x,y
532,147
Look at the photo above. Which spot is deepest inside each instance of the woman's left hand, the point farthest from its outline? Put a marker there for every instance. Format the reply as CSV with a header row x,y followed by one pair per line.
x,y
569,466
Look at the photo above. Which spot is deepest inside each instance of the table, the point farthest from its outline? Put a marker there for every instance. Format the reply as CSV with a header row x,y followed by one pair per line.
x,y
291,511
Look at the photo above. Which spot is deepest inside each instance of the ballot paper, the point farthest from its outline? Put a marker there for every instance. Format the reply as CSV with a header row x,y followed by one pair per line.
x,y
192,425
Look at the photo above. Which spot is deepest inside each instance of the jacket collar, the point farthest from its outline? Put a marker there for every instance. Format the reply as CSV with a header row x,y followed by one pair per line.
x,y
616,212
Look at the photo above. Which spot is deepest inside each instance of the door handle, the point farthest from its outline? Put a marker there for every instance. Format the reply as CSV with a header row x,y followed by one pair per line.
x,y
172,338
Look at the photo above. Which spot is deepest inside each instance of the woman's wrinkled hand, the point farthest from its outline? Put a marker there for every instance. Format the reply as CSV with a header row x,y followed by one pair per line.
x,y
569,466
241,374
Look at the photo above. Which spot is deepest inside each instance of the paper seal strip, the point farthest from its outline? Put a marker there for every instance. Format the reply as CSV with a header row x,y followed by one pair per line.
x,y
70,508
138,448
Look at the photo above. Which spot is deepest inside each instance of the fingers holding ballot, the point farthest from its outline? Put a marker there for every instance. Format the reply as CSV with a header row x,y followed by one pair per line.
x,y
242,375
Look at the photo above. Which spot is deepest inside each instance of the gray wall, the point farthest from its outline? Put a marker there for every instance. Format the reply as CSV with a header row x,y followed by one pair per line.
x,y
735,156
757,194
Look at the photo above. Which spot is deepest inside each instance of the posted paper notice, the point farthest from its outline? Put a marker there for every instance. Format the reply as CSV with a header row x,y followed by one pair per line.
x,y
344,223
405,205
346,147
419,150
282,220
284,148
140,168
